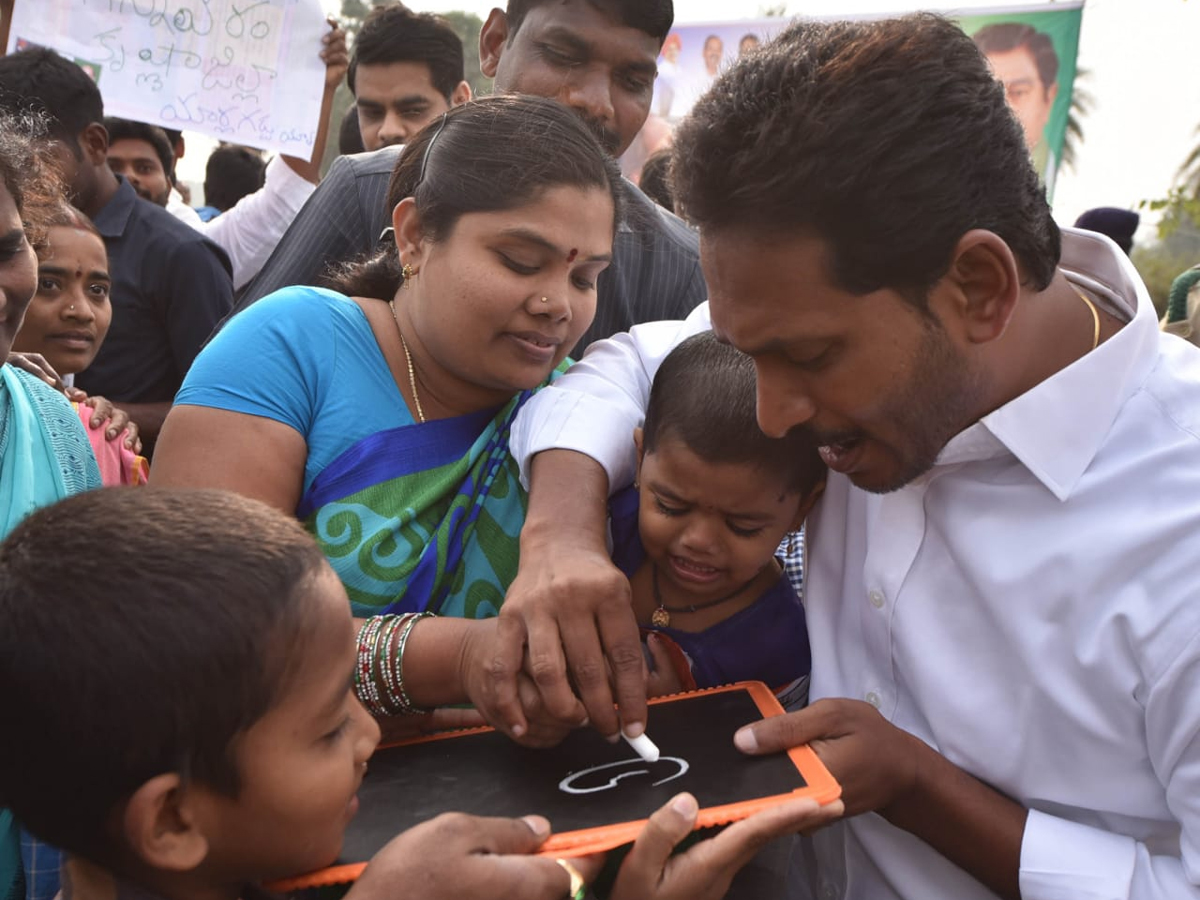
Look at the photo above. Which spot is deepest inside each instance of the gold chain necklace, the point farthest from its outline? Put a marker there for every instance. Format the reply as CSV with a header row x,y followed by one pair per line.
x,y
412,376
1095,317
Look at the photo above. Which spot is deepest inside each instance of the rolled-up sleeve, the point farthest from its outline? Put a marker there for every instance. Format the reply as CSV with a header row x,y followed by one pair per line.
x,y
595,406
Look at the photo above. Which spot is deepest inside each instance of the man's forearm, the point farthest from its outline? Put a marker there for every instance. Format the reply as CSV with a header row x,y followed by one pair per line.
x,y
568,500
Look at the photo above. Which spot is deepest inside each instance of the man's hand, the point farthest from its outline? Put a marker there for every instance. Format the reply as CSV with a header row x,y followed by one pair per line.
x,y
565,621
651,872
334,55
461,857
875,762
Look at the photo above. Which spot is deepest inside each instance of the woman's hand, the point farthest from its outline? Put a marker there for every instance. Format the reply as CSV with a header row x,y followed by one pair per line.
x,y
704,872
461,857
35,364
118,420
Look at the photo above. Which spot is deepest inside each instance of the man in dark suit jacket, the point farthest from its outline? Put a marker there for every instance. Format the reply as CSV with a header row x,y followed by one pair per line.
x,y
598,58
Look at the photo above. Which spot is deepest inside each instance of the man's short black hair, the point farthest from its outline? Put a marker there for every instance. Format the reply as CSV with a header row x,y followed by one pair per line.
x,y
888,140
232,172
128,130
392,34
704,396
144,630
654,17
40,80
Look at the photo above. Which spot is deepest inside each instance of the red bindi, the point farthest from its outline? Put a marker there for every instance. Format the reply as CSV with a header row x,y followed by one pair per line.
x,y
571,256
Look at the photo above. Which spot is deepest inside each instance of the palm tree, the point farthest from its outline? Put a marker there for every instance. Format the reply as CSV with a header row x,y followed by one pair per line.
x,y
1082,102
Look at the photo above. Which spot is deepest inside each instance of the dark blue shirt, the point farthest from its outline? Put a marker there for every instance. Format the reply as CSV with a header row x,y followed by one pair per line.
x,y
170,288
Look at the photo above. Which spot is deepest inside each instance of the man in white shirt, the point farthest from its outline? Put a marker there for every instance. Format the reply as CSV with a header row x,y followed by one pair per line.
x,y
1002,599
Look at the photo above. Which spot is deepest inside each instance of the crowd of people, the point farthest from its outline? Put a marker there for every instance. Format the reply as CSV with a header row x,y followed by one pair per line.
x,y
473,431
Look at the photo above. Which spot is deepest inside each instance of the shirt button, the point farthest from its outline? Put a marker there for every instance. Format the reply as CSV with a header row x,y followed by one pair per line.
x,y
876,599
829,892
874,699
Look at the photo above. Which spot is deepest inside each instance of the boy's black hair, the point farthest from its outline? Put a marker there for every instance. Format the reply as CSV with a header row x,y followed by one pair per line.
x,y
704,396
144,631
392,34
128,130
232,172
39,79
654,17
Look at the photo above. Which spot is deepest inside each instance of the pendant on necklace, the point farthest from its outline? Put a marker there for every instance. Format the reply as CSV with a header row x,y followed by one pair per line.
x,y
660,618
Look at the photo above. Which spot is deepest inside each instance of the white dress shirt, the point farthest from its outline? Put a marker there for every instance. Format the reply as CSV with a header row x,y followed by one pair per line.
x,y
1030,607
250,230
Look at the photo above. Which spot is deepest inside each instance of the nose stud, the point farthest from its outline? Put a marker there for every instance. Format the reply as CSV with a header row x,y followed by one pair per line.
x,y
545,299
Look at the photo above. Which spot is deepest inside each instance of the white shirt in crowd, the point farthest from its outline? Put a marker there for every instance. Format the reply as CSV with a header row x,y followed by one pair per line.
x,y
1030,607
250,230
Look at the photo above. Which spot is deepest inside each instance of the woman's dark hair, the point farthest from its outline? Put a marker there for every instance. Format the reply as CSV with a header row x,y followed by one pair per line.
x,y
34,185
132,651
889,140
704,396
492,154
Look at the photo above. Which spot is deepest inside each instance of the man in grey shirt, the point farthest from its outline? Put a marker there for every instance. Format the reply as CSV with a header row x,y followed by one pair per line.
x,y
598,58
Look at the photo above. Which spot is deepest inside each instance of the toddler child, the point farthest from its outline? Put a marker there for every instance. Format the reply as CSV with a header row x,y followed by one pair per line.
x,y
697,534
179,717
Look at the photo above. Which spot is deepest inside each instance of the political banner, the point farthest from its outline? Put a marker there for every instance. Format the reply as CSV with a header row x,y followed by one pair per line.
x,y
245,71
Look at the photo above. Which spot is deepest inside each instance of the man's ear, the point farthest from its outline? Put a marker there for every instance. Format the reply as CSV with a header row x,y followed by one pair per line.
x,y
410,235
461,94
492,39
93,141
163,826
982,284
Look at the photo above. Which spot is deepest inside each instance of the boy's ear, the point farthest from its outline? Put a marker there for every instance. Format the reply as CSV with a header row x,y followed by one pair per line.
x,y
93,142
162,825
806,505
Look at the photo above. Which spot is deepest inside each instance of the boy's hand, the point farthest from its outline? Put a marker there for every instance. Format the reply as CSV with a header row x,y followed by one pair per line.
x,y
662,679
650,872
461,857
875,762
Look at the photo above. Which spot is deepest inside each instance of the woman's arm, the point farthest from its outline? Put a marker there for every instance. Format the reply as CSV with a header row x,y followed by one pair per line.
x,y
249,455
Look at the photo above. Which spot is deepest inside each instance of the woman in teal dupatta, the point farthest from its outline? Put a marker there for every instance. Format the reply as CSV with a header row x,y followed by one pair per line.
x,y
378,412
44,453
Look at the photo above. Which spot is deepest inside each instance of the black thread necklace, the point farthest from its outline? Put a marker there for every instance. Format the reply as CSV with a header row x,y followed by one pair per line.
x,y
661,617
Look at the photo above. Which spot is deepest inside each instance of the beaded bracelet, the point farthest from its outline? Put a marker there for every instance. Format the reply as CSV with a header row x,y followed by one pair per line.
x,y
378,673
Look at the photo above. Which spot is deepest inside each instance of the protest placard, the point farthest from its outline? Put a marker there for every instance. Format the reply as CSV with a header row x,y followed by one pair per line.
x,y
246,71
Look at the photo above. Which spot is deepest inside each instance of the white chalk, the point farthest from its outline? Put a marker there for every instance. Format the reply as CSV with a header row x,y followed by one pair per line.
x,y
643,746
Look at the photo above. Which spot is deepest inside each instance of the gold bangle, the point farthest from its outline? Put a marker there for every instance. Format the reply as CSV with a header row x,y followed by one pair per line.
x,y
578,888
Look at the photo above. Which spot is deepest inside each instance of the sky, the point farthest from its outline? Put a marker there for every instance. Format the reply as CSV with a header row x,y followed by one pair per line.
x,y
1143,61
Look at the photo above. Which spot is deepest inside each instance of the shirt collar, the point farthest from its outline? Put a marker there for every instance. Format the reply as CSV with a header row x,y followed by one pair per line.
x,y
1057,427
112,219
